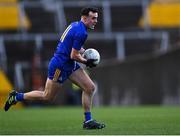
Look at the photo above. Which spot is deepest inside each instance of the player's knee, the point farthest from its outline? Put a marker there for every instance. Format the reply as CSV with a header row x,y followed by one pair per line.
x,y
47,97
90,88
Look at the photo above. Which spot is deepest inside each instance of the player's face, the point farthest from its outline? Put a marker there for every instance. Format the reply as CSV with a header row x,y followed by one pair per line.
x,y
91,20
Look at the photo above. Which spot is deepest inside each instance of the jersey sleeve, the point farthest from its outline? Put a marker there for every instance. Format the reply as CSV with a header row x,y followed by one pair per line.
x,y
79,40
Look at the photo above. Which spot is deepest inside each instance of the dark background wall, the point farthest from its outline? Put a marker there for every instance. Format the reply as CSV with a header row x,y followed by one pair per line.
x,y
154,79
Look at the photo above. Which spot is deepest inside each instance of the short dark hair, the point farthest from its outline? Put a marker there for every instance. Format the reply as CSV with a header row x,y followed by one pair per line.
x,y
85,11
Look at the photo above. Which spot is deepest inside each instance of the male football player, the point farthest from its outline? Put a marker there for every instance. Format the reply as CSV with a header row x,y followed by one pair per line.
x,y
63,65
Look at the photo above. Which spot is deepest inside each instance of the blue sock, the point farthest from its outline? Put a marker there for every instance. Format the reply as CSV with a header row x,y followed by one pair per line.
x,y
20,96
87,116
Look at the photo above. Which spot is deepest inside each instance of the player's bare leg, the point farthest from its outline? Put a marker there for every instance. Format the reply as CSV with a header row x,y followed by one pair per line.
x,y
48,94
81,78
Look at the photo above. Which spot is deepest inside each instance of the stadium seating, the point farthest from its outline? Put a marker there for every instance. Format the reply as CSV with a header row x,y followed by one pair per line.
x,y
163,14
126,20
10,16
42,21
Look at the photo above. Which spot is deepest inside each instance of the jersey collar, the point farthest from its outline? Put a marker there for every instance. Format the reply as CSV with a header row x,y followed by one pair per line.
x,y
83,25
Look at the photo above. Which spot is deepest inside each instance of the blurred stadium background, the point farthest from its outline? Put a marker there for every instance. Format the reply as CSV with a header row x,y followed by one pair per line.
x,y
139,43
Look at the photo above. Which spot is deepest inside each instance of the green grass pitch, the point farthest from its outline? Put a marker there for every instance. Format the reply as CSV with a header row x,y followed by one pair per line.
x,y
68,120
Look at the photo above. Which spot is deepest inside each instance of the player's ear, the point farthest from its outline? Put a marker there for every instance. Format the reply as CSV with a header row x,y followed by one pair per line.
x,y
85,18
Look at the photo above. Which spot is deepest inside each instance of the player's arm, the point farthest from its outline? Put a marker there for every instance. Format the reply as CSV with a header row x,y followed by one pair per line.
x,y
77,50
76,55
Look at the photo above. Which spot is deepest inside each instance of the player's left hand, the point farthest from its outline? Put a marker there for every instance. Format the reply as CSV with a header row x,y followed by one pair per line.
x,y
90,63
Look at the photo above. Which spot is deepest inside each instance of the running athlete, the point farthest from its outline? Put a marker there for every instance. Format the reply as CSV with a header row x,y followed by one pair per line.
x,y
63,65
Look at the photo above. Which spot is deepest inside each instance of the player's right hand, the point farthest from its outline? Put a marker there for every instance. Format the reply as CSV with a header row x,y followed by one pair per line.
x,y
90,63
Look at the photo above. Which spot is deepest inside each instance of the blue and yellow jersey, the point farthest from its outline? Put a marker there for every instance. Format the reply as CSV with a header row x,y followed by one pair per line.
x,y
61,65
73,37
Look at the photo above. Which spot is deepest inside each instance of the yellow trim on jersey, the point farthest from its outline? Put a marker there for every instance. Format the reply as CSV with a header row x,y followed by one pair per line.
x,y
56,74
65,33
